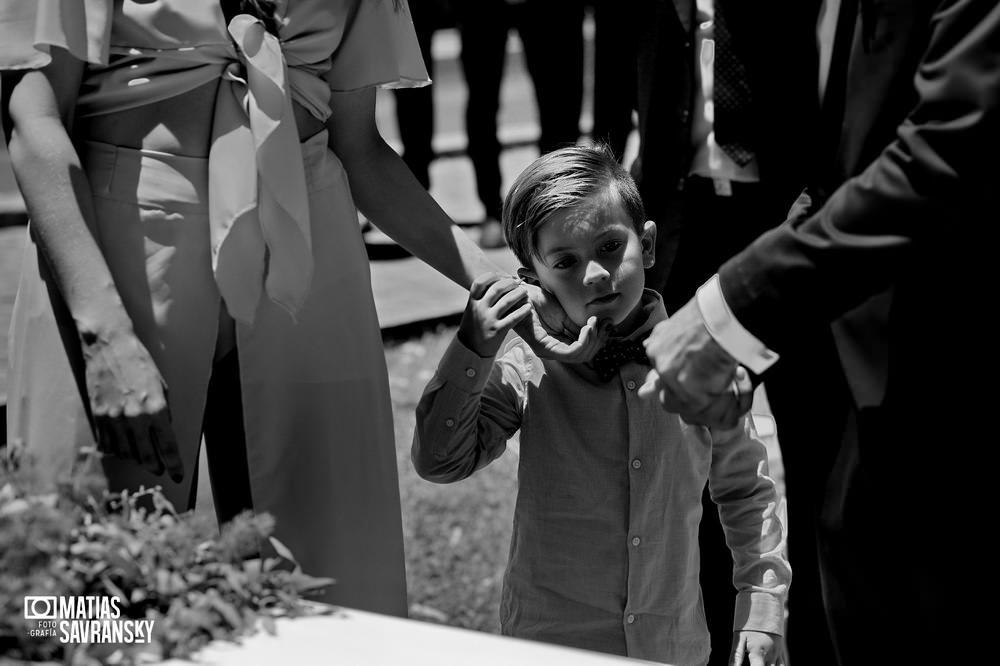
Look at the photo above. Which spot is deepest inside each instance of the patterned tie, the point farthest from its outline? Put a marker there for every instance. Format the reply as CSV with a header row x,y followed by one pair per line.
x,y
731,94
615,354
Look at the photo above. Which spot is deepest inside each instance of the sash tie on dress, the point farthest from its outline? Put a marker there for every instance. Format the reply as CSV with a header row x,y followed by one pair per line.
x,y
258,204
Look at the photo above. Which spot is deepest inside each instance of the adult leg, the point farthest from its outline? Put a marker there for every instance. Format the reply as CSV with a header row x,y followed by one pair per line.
x,y
225,437
552,34
809,422
415,106
484,26
614,76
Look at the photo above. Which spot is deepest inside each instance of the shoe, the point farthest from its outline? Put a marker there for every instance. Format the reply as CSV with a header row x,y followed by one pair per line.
x,y
491,235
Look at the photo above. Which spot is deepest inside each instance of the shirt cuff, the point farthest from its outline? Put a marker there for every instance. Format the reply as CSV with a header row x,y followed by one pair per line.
x,y
728,332
760,611
463,368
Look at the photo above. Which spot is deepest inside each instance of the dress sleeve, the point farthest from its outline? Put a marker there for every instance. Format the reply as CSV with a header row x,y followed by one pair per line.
x,y
30,28
379,48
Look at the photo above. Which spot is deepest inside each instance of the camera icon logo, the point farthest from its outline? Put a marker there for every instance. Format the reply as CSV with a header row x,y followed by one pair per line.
x,y
40,608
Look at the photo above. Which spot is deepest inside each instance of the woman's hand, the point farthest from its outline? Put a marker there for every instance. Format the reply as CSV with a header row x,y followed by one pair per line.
x,y
551,333
128,401
496,304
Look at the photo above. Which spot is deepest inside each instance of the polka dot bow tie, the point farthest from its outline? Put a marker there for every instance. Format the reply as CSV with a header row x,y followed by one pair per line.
x,y
615,354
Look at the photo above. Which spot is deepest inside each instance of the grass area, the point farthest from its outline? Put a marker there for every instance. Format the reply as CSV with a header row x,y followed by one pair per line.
x,y
456,535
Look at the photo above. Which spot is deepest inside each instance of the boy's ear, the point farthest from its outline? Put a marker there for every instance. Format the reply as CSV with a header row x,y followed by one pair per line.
x,y
528,276
648,240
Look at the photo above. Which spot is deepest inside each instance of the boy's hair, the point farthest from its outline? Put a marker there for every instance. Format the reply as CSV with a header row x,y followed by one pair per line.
x,y
560,180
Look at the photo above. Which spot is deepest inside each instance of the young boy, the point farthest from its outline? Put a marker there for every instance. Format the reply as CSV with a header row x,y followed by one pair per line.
x,y
604,551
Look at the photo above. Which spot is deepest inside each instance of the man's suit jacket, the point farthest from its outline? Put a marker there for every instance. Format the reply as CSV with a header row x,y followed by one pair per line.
x,y
776,41
892,250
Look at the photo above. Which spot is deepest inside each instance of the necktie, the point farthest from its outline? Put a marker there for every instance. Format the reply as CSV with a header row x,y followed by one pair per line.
x,y
615,354
731,94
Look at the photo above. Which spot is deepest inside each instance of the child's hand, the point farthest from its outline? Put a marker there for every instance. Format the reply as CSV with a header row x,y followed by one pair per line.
x,y
552,334
757,647
496,304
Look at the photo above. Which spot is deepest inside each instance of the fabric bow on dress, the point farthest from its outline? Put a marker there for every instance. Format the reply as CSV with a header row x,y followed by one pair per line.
x,y
260,237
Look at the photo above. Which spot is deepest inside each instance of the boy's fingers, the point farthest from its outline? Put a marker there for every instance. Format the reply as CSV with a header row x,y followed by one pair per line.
x,y
516,317
510,300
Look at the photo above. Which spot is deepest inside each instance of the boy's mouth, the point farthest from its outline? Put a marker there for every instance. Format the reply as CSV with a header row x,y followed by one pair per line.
x,y
604,300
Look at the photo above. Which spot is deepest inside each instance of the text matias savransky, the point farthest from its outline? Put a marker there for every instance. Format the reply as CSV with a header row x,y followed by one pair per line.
x,y
84,619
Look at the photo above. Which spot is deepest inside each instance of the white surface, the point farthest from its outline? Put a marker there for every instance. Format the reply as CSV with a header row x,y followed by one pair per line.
x,y
355,638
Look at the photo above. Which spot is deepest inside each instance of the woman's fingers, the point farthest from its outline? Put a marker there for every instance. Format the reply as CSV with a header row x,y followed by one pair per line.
x,y
144,445
162,435
499,289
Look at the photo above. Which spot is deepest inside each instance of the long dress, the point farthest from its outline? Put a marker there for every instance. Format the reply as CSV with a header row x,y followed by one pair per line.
x,y
264,224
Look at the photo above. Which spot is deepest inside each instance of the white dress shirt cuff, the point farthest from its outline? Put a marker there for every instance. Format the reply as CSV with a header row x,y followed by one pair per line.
x,y
728,332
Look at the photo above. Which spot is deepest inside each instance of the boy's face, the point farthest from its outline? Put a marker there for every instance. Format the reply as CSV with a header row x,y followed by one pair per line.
x,y
591,258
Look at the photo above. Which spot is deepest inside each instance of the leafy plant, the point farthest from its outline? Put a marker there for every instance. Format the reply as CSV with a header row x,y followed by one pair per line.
x,y
196,583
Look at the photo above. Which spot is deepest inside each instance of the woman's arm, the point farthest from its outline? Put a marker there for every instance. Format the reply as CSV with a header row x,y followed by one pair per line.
x,y
388,194
125,390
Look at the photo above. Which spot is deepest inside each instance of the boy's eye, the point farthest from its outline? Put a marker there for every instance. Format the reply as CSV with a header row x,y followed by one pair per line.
x,y
564,262
612,246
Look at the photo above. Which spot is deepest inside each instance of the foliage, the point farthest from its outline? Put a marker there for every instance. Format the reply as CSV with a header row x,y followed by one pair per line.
x,y
195,583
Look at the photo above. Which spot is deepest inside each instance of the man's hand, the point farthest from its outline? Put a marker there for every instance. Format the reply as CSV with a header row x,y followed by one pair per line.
x,y
757,647
495,305
551,334
692,375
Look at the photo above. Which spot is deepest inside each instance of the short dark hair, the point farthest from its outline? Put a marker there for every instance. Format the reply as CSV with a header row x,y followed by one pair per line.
x,y
559,180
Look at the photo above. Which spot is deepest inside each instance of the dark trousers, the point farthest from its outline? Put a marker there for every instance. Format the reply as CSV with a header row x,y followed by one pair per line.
x,y
225,441
614,75
415,106
552,35
714,228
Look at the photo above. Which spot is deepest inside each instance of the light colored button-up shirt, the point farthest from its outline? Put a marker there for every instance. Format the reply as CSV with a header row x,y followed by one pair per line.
x,y
604,551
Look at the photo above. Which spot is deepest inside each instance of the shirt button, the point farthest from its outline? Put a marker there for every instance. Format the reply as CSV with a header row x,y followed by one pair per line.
x,y
630,618
470,372
450,423
636,464
636,541
630,385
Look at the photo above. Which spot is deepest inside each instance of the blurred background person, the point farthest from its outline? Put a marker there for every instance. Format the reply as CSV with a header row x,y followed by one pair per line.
x,y
551,32
415,106
614,93
725,122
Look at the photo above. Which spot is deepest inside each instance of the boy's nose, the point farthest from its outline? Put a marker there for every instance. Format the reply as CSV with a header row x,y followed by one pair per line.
x,y
595,273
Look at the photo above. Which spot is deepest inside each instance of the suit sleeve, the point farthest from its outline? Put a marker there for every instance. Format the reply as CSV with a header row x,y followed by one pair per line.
x,y
911,201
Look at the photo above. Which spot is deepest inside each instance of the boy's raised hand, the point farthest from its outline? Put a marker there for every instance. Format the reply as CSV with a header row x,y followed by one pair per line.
x,y
496,304
757,648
